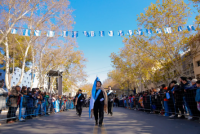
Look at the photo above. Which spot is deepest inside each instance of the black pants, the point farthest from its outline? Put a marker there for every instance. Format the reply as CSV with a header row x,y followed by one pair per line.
x,y
179,106
79,109
98,112
110,107
11,113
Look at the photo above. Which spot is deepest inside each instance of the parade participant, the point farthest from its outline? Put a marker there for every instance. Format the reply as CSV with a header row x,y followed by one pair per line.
x,y
100,103
79,102
111,96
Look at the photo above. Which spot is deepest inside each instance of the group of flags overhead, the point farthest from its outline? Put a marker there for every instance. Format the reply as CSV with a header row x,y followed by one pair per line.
x,y
74,34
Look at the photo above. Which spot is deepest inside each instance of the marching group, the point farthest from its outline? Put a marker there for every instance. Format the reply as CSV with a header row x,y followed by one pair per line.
x,y
176,100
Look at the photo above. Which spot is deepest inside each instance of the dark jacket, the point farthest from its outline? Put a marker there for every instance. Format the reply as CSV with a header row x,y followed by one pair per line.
x,y
14,97
80,99
111,96
99,99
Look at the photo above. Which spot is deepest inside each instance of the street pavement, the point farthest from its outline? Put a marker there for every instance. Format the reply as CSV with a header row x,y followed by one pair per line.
x,y
124,121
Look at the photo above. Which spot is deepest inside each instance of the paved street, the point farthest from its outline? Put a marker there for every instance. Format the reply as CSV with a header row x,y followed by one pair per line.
x,y
124,121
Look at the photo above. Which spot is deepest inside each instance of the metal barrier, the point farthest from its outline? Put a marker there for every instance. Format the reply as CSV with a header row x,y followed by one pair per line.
x,y
20,108
180,103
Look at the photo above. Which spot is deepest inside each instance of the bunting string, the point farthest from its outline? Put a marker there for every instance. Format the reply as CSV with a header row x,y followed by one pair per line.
x,y
74,34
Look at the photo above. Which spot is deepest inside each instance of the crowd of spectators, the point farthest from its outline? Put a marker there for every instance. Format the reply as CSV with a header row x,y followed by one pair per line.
x,y
177,100
31,103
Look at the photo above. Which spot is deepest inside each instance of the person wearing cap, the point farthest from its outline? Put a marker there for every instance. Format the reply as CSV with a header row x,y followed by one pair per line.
x,y
79,102
111,96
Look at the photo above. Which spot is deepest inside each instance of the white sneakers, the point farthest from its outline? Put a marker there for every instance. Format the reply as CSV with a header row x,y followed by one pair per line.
x,y
190,118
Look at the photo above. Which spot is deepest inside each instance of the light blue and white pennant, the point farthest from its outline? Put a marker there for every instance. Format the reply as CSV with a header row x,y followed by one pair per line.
x,y
92,34
86,33
64,33
148,31
190,28
168,30
101,33
111,33
158,30
37,33
74,34
50,34
180,28
120,33
130,32
139,32
14,31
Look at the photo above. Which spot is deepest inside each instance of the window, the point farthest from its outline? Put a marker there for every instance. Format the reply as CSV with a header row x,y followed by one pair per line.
x,y
28,82
19,75
198,63
0,74
13,83
27,78
16,78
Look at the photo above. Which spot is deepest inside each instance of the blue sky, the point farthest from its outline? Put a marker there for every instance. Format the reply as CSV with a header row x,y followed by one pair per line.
x,y
104,15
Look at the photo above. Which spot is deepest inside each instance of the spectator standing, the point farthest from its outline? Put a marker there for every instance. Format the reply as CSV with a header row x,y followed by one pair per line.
x,y
24,103
14,96
191,103
3,96
190,81
178,99
186,97
197,97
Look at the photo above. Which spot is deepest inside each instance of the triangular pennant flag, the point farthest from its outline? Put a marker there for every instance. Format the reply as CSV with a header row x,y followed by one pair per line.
x,y
130,32
64,33
111,33
120,33
92,34
148,31
168,30
180,29
86,33
74,34
158,30
190,28
37,33
14,31
139,32
50,34
101,33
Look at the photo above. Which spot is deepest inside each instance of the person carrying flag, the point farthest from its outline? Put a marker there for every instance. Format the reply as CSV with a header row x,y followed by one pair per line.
x,y
111,96
79,102
98,102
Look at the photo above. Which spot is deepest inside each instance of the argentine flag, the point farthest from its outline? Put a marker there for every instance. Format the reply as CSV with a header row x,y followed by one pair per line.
x,y
190,28
14,31
92,100
27,32
37,32
50,34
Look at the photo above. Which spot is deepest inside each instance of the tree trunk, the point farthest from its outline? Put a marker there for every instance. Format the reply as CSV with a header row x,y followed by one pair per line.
x,y
33,68
23,65
8,85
